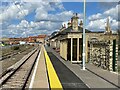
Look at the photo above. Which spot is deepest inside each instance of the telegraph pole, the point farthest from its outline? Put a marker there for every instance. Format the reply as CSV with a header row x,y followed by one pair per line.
x,y
84,36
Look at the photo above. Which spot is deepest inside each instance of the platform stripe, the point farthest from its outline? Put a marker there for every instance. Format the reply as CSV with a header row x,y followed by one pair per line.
x,y
34,73
53,78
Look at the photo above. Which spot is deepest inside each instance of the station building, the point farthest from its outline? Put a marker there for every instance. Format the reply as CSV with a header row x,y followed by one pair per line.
x,y
101,46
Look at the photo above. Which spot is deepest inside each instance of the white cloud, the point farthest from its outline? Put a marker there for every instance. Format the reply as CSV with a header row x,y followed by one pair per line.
x,y
19,10
14,11
9,13
74,0
24,23
98,21
50,22
22,14
41,14
94,17
63,16
115,24
59,17
25,28
97,24
42,11
113,12
100,24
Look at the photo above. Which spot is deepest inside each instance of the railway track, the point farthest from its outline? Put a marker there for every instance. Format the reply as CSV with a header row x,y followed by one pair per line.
x,y
18,75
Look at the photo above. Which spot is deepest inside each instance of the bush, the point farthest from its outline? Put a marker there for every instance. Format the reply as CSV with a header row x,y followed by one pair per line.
x,y
15,48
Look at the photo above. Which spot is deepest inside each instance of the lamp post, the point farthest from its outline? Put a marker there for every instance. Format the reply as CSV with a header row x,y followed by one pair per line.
x,y
84,37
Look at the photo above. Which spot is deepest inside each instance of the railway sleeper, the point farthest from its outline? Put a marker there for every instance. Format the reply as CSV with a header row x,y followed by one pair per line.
x,y
15,67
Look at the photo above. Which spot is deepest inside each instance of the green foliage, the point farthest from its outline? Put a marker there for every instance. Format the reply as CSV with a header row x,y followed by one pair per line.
x,y
15,48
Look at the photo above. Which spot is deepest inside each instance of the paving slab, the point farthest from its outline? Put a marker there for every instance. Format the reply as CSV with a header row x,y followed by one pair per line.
x,y
40,78
109,76
67,78
89,78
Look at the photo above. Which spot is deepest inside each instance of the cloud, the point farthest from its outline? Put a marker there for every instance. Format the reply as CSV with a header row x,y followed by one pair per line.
x,y
98,21
45,22
97,24
9,13
103,6
100,24
59,17
113,12
42,13
22,14
18,10
25,28
58,4
95,17
115,24
15,11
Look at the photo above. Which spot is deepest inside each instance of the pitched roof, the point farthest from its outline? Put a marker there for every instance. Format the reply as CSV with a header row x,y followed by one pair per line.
x,y
42,36
69,29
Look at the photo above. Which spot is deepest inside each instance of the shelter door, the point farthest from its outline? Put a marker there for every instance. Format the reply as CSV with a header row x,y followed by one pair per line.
x,y
74,58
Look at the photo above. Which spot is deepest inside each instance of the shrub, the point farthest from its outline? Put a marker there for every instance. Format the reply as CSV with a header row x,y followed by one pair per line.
x,y
15,48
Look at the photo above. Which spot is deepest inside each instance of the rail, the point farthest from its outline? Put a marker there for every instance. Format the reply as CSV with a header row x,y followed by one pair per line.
x,y
13,69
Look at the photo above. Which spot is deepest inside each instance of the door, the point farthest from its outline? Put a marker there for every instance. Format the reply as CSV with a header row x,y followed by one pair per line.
x,y
69,50
74,49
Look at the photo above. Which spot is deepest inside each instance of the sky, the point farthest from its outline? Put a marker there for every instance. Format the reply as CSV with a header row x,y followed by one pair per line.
x,y
23,19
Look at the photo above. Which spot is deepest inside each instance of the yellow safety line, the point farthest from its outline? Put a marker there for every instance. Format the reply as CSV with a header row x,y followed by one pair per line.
x,y
53,78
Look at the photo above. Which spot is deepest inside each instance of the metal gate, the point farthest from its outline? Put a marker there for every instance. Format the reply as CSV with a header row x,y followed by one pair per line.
x,y
100,53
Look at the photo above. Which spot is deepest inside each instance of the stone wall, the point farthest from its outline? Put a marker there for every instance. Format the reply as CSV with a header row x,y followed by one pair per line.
x,y
101,54
63,49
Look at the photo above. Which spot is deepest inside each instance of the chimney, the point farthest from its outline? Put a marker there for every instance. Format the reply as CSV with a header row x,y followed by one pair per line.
x,y
107,28
69,24
81,24
64,26
76,14
74,22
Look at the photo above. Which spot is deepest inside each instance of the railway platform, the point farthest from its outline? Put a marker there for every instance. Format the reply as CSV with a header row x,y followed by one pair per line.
x,y
55,73
39,78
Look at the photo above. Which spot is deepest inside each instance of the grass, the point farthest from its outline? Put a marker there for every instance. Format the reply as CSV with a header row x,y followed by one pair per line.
x,y
14,49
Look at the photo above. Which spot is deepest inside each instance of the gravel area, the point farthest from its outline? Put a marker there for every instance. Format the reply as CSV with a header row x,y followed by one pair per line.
x,y
7,50
10,61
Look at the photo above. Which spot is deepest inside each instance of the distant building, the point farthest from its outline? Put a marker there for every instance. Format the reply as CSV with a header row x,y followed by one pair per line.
x,y
4,40
69,43
30,39
39,38
22,42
